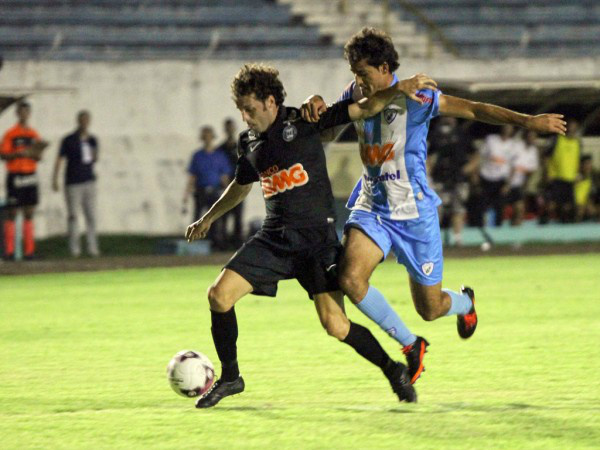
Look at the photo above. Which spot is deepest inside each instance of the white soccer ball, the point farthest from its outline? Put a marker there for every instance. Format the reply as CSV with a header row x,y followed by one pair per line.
x,y
190,373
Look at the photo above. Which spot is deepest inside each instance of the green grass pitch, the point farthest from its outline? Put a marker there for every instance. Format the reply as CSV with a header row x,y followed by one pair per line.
x,y
83,357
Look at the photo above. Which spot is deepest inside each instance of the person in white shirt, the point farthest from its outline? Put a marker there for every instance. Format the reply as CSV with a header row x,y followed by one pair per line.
x,y
494,171
524,161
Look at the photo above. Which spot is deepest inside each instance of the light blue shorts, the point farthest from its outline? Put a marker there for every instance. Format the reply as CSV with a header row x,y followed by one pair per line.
x,y
417,243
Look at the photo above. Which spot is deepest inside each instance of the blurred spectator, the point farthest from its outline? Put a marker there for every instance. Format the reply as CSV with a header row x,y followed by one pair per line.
x,y
524,162
562,168
209,173
451,164
229,147
495,166
80,151
21,148
584,188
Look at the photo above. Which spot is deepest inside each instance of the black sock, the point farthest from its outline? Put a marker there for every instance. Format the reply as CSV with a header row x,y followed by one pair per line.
x,y
225,332
367,346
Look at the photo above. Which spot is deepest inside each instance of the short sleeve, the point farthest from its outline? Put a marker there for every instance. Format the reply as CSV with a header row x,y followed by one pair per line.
x,y
244,172
5,145
428,110
192,167
336,114
63,148
347,92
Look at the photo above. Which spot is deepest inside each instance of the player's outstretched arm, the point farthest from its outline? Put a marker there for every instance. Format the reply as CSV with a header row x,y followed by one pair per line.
x,y
496,115
233,195
314,106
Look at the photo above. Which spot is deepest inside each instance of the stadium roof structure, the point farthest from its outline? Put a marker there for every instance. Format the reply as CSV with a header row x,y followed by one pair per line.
x,y
525,92
542,95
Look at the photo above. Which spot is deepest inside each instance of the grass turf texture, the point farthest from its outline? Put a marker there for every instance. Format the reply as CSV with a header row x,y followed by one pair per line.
x,y
83,364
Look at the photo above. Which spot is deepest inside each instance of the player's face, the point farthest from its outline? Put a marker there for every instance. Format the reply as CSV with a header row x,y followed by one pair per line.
x,y
370,79
229,128
207,136
258,115
83,121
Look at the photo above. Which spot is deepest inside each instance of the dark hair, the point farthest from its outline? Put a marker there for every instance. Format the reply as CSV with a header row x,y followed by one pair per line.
x,y
23,104
83,112
375,46
206,128
260,80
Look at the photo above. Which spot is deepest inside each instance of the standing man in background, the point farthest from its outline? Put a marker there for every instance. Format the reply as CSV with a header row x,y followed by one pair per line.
x,y
209,174
562,165
229,147
21,148
495,169
80,150
450,156
525,161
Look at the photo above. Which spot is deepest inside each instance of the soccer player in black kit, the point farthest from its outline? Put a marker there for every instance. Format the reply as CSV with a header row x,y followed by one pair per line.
x,y
298,237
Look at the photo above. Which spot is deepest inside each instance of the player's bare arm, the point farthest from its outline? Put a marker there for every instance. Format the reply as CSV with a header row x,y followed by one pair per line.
x,y
374,104
233,196
58,163
314,105
34,151
496,115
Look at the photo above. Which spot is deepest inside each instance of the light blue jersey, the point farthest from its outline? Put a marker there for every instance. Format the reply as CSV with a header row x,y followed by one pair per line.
x,y
393,149
392,202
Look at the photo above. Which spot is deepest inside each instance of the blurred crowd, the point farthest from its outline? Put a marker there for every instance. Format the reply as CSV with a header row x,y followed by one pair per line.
x,y
510,177
21,148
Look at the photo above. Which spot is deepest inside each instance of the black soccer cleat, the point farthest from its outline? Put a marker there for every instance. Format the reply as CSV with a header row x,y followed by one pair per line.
x,y
399,378
220,390
415,353
467,323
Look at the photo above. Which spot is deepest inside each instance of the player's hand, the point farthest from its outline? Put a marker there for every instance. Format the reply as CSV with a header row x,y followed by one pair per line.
x,y
198,230
410,86
312,108
548,123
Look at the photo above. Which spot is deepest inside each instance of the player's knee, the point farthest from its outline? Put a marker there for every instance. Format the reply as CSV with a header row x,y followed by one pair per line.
x,y
353,285
336,326
219,299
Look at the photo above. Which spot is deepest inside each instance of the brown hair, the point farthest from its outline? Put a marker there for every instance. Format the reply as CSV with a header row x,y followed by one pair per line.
x,y
260,80
375,46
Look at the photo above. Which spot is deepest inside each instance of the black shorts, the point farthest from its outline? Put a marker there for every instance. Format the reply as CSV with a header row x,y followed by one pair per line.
x,y
22,189
562,192
515,195
309,255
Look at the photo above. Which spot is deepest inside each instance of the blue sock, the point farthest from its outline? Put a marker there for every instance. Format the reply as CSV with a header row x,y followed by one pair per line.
x,y
461,303
376,308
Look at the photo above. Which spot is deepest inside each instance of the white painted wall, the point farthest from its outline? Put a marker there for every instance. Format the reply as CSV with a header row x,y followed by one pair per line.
x,y
147,114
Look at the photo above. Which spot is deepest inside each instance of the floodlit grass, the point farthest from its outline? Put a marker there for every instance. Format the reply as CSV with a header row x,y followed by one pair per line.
x,y
83,357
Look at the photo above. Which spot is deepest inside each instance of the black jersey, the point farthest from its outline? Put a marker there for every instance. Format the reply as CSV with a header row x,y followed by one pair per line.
x,y
289,161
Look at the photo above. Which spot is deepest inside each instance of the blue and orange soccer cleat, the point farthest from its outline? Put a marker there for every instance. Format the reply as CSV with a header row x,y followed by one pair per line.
x,y
415,353
467,323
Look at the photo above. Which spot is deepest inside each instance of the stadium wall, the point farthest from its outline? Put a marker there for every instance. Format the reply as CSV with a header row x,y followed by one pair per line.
x,y
147,114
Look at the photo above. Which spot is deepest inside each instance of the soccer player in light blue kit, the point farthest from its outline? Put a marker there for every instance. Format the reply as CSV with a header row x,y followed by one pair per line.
x,y
393,208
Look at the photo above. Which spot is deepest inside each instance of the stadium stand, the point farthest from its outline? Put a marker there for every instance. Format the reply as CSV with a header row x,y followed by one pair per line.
x,y
511,28
109,29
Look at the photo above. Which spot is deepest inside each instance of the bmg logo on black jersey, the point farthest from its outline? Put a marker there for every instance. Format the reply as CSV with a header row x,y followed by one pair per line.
x,y
283,180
